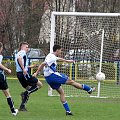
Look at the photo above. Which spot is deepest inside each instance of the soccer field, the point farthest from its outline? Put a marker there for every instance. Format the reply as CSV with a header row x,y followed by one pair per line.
x,y
42,107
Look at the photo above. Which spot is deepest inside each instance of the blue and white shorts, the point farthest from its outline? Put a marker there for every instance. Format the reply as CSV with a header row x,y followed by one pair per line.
x,y
56,79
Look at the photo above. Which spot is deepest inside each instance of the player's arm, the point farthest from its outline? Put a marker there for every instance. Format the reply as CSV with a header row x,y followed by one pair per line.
x,y
21,64
39,68
64,60
5,68
33,66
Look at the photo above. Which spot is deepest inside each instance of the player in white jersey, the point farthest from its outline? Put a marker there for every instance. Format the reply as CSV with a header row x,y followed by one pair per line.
x,y
55,79
4,85
29,82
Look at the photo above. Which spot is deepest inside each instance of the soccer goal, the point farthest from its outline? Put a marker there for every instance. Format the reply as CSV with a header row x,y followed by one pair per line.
x,y
81,36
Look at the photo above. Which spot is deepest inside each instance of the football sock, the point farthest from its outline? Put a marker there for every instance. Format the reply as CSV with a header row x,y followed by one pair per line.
x,y
86,88
11,104
65,104
32,89
26,95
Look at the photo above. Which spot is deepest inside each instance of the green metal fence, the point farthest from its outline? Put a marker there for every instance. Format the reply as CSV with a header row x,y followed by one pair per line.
x,y
77,71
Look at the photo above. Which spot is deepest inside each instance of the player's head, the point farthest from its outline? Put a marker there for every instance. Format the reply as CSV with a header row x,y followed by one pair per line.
x,y
1,47
24,46
57,49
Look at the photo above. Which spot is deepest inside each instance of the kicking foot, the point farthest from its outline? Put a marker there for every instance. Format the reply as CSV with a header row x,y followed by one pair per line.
x,y
93,89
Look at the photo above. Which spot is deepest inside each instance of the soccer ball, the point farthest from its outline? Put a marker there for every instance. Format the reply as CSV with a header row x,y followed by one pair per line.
x,y
100,76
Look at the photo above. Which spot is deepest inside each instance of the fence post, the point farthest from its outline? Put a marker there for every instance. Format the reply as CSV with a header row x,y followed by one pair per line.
x,y
118,71
73,71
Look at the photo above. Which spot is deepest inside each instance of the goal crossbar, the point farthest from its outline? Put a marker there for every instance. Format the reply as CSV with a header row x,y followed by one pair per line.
x,y
84,14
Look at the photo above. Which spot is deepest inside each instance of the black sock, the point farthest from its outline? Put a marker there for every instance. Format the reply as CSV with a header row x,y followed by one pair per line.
x,y
26,93
32,89
25,99
11,104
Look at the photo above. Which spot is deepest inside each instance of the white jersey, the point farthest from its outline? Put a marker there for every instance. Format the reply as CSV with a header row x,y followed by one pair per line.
x,y
23,55
51,64
1,58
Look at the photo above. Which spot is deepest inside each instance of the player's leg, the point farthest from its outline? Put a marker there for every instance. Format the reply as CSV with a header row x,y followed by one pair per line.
x,y
35,85
31,84
10,102
63,100
4,88
32,89
22,105
54,81
25,85
64,79
80,86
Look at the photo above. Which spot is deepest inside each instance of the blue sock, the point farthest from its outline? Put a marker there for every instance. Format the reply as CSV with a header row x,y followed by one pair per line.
x,y
65,104
86,88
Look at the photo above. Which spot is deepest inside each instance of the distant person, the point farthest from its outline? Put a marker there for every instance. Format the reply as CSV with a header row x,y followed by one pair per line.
x,y
117,62
30,83
117,54
4,85
55,79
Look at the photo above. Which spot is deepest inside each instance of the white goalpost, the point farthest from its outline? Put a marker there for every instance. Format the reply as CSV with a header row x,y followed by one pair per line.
x,y
91,39
100,68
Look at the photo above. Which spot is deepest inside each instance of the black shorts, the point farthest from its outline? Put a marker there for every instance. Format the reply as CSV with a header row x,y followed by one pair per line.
x,y
3,82
26,82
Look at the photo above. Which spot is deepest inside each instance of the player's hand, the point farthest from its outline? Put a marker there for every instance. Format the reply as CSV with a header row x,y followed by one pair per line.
x,y
25,72
36,65
71,61
35,74
9,71
33,66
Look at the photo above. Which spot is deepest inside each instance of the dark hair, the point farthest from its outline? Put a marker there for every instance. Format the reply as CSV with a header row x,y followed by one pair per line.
x,y
1,45
56,47
22,43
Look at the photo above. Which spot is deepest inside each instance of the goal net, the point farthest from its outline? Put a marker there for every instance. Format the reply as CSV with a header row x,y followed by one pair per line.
x,y
81,35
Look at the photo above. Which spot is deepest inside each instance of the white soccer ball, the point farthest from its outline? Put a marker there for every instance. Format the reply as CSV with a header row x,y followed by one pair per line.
x,y
100,76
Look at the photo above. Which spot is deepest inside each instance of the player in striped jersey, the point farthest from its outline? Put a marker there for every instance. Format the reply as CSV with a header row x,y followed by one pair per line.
x,y
30,83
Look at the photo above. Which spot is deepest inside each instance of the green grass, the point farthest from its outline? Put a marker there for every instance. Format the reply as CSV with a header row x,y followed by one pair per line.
x,y
42,107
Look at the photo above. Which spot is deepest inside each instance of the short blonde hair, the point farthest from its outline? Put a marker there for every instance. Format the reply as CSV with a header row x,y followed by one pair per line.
x,y
22,43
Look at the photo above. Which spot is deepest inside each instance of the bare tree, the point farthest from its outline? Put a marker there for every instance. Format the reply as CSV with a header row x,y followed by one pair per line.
x,y
20,21
29,20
